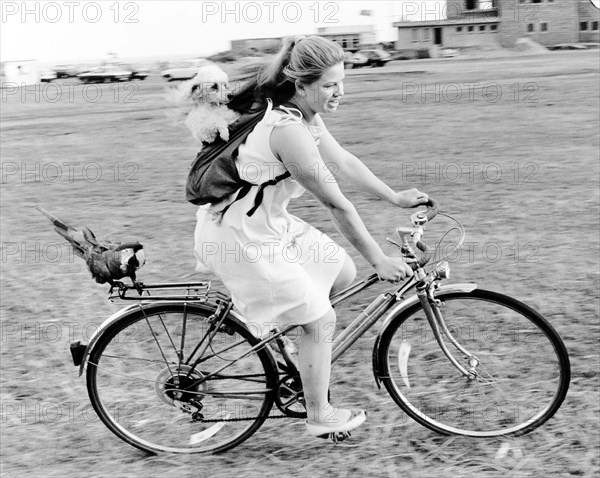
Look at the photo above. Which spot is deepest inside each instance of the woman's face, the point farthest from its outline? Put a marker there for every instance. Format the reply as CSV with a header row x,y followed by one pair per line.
x,y
323,95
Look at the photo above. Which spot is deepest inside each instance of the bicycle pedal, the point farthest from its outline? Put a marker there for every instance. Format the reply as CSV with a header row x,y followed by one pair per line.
x,y
336,437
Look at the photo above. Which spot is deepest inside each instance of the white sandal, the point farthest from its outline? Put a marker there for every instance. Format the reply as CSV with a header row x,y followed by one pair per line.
x,y
338,432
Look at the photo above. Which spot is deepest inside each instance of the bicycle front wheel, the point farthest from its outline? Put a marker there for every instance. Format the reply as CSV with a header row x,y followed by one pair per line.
x,y
522,371
165,379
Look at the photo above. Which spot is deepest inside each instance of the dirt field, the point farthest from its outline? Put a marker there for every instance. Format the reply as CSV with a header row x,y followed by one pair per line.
x,y
509,146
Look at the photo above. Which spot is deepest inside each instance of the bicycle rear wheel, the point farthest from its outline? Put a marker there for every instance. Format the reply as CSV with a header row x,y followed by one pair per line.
x,y
145,386
522,376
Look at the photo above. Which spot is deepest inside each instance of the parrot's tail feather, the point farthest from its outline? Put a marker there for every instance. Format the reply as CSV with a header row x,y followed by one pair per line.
x,y
58,223
78,248
89,236
75,238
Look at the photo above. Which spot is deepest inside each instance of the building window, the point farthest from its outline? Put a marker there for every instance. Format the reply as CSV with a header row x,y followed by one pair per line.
x,y
426,34
536,1
415,34
583,26
471,5
493,27
459,29
481,28
530,27
471,28
543,27
595,25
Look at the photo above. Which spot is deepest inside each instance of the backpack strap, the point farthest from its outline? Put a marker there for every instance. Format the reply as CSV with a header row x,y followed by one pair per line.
x,y
259,194
244,190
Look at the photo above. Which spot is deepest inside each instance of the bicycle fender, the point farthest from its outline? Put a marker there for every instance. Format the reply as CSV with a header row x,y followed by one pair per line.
x,y
100,330
117,316
399,309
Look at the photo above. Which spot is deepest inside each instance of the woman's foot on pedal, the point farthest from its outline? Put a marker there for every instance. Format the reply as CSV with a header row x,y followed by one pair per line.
x,y
338,424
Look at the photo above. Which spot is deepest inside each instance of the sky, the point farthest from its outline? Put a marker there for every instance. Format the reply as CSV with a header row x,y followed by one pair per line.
x,y
76,30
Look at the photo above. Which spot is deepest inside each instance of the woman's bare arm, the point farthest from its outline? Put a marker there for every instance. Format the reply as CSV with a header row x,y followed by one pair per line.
x,y
295,147
348,168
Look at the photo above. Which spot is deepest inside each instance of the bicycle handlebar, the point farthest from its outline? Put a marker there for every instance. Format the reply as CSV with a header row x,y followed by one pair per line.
x,y
418,220
422,217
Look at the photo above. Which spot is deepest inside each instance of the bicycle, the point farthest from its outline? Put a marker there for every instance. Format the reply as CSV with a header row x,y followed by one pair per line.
x,y
183,372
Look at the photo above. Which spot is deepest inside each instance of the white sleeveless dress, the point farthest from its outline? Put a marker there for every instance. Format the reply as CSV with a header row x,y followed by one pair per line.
x,y
278,269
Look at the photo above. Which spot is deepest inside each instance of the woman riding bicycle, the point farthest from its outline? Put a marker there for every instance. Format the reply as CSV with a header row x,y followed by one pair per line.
x,y
280,270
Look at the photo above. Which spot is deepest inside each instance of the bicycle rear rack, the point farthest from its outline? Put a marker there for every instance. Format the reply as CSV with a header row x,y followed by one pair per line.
x,y
176,291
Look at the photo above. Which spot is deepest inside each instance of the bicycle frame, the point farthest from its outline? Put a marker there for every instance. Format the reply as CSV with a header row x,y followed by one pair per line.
x,y
425,284
382,305
390,303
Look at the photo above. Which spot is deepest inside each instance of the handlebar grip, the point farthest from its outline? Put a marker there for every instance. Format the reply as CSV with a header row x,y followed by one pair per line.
x,y
432,209
423,217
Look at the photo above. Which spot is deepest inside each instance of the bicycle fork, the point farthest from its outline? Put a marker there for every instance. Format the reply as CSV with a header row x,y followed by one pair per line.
x,y
431,307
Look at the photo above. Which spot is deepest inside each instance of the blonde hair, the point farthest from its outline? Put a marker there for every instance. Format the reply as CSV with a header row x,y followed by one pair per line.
x,y
302,59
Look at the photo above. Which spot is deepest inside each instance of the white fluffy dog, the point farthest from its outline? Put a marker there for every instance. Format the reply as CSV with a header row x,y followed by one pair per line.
x,y
207,94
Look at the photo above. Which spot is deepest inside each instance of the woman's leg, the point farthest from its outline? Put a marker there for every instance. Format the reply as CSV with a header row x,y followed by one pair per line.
x,y
314,363
314,358
345,277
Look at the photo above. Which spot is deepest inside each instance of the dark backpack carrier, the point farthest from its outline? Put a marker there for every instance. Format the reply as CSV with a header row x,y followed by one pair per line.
x,y
214,176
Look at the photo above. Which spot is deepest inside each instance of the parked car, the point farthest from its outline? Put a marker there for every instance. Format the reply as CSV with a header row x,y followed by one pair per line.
x,y
66,71
185,69
375,57
47,76
355,60
568,46
107,73
136,73
448,53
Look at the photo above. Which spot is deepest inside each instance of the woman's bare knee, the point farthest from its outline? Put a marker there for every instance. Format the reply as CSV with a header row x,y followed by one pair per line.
x,y
321,329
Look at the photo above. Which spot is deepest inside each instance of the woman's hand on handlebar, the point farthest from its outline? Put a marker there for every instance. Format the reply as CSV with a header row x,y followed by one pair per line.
x,y
393,269
410,198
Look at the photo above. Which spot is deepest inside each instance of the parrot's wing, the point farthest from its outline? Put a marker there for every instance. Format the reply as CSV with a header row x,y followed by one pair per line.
x,y
98,266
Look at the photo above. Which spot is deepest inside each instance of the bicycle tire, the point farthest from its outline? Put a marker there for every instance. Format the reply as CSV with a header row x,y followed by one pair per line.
x,y
523,364
143,391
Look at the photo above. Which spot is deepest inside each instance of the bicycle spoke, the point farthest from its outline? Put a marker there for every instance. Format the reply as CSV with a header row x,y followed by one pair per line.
x,y
520,375
146,394
154,335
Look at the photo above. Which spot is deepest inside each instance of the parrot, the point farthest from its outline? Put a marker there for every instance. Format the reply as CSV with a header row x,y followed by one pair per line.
x,y
107,261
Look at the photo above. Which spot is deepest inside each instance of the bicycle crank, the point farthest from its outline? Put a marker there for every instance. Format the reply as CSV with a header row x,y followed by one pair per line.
x,y
290,396
336,437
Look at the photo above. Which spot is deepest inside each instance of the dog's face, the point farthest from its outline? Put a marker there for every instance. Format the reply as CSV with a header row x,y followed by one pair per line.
x,y
209,86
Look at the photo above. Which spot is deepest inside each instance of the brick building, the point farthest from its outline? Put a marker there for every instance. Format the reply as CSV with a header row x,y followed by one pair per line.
x,y
588,22
470,23
350,38
548,22
258,44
